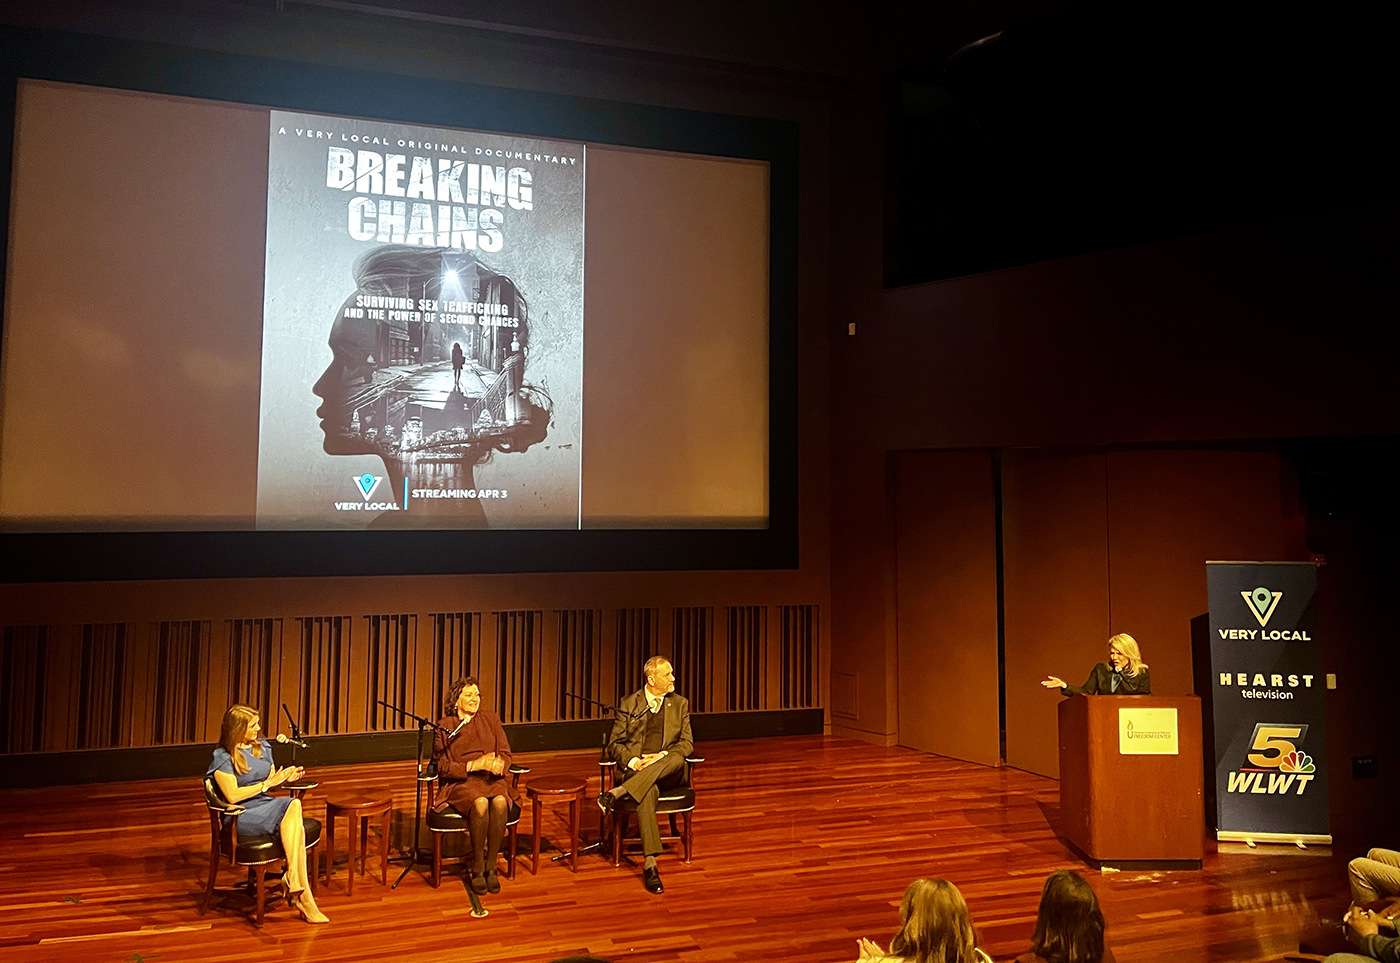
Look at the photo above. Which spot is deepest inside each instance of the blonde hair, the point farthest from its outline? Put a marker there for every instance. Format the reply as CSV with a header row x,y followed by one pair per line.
x,y
1128,646
654,663
937,926
234,730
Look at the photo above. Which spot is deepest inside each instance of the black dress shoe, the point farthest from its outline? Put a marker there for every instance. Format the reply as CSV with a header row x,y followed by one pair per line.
x,y
651,879
478,884
493,885
605,801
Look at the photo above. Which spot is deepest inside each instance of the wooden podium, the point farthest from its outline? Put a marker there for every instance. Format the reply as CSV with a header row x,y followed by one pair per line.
x,y
1127,799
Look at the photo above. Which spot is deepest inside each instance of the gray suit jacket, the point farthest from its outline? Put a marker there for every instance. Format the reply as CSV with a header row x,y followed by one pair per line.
x,y
625,743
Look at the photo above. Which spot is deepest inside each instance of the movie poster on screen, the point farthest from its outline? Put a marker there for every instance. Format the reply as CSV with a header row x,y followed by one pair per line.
x,y
422,358
1268,702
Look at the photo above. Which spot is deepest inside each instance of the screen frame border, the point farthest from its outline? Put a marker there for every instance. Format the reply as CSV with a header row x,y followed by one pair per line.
x,y
294,85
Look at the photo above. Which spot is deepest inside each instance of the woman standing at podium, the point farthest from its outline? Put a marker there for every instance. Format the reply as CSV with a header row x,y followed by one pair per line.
x,y
1123,674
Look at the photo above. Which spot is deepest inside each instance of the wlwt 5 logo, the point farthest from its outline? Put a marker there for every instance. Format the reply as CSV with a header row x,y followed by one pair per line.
x,y
1276,764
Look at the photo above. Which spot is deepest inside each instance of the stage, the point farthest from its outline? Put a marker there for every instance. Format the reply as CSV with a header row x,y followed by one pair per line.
x,y
802,844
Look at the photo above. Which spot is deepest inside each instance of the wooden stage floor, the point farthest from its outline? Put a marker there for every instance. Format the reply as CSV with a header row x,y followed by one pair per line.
x,y
802,845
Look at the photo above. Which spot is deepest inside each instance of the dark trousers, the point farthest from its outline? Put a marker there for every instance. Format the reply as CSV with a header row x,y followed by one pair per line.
x,y
645,787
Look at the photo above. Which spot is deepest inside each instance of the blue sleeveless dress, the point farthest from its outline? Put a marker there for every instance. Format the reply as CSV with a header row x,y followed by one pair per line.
x,y
264,812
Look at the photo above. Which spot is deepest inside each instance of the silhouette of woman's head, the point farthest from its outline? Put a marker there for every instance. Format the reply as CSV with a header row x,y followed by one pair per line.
x,y
392,389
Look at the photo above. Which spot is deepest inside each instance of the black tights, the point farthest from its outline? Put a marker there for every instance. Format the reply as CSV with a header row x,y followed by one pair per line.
x,y
487,822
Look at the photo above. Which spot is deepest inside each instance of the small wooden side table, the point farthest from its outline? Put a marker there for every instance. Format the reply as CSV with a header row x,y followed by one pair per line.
x,y
359,807
555,789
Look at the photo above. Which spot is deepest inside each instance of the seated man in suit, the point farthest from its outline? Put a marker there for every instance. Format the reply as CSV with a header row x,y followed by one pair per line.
x,y
650,740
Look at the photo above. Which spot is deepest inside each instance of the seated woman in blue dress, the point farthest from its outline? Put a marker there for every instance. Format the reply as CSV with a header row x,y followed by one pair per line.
x,y
243,770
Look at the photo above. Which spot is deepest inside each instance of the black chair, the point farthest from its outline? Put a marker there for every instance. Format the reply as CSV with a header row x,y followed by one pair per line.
x,y
256,853
449,820
677,800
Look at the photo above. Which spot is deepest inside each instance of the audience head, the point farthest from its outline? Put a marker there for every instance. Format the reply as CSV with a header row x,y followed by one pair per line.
x,y
1069,927
936,926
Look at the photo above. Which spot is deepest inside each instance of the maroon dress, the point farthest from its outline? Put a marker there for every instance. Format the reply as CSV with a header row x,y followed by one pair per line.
x,y
460,788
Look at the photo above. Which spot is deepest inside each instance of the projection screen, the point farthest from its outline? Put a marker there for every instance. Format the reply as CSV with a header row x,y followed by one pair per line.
x,y
225,317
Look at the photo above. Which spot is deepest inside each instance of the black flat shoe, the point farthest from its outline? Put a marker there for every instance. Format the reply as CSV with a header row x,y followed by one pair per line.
x,y
605,801
651,879
493,885
478,884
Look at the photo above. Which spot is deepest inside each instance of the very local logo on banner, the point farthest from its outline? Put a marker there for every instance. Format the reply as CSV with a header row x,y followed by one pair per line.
x,y
1270,750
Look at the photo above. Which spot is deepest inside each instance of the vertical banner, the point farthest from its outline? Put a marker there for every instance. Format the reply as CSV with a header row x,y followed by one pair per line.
x,y
1270,747
422,361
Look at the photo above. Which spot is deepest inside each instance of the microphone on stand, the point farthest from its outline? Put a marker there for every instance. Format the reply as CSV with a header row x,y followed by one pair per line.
x,y
295,742
457,730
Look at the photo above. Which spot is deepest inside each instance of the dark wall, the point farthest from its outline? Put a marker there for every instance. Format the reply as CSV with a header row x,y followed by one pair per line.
x,y
1272,331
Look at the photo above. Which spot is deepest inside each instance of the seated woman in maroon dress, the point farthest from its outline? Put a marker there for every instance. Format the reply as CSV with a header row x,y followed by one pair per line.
x,y
472,758
1069,926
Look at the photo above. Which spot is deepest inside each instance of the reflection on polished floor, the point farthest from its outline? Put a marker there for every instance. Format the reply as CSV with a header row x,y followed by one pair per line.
x,y
802,844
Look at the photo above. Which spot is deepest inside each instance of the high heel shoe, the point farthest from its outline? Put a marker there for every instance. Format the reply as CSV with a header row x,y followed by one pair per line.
x,y
310,912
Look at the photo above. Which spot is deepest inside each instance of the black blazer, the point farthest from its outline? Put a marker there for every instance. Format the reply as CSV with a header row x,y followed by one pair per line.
x,y
1100,683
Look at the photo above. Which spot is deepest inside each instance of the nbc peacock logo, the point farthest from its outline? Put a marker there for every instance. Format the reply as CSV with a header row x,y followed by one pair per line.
x,y
1296,761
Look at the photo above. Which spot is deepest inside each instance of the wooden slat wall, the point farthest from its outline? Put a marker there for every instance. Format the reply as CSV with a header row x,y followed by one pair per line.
x,y
252,667
392,663
130,685
23,671
799,642
456,655
692,654
746,685
324,690
104,684
580,664
178,691
637,641
520,665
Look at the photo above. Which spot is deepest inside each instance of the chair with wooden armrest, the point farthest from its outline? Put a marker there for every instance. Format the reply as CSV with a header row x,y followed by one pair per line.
x,y
449,820
677,800
254,852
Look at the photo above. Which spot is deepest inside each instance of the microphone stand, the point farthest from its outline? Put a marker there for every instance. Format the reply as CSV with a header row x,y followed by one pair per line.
x,y
301,787
296,731
619,713
416,857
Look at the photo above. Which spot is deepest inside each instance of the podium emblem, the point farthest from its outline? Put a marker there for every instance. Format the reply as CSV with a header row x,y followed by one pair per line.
x,y
1147,732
